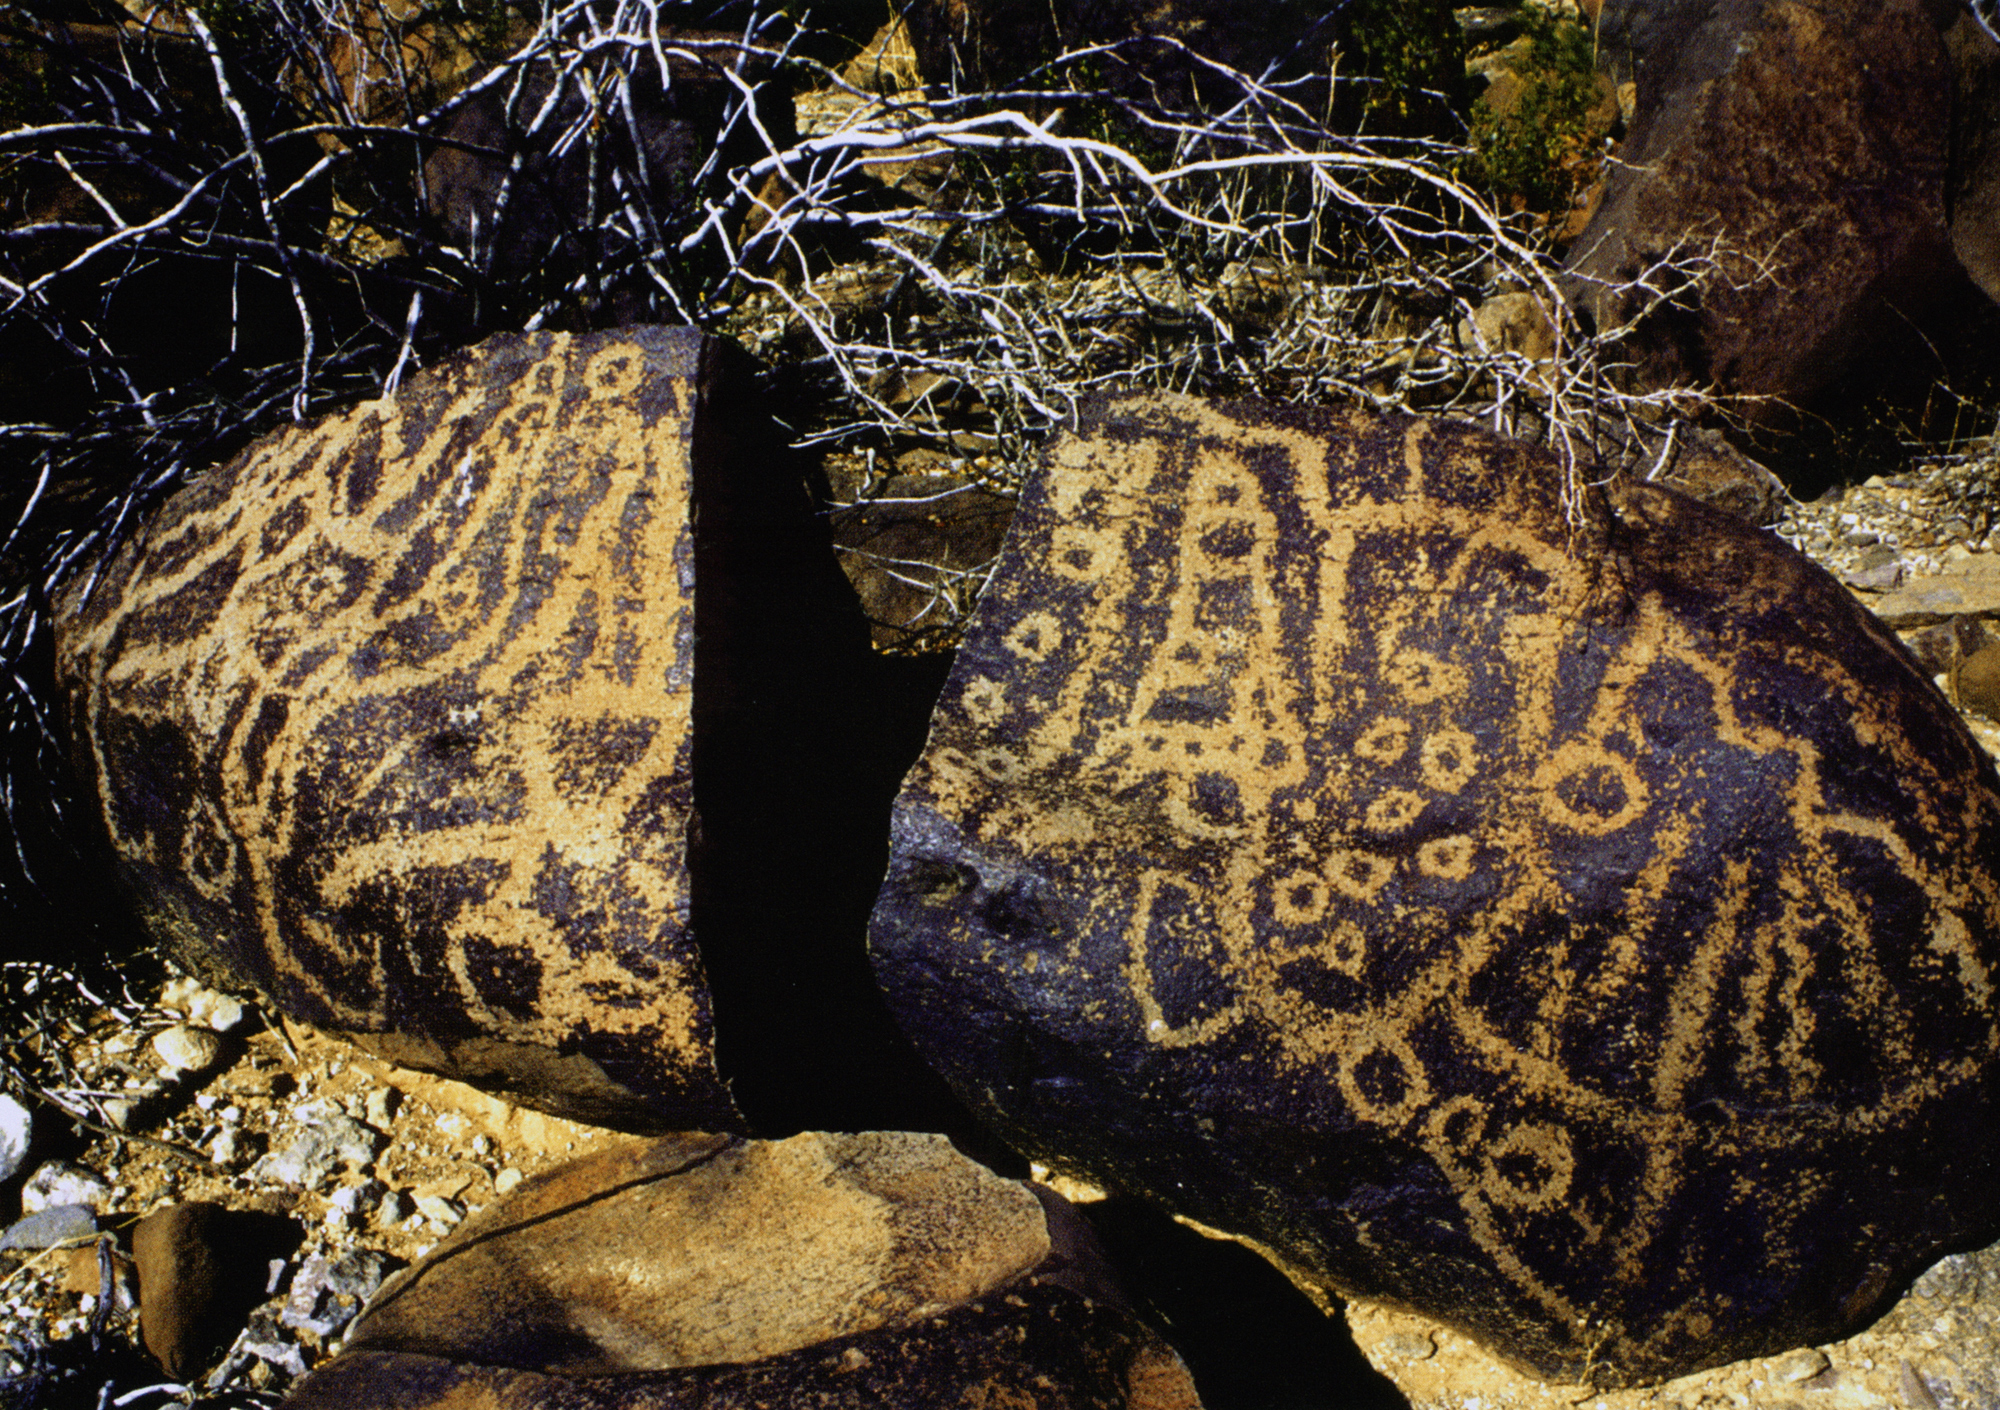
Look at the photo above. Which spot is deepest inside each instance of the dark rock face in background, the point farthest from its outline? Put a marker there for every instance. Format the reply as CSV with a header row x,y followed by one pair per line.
x,y
923,539
1576,925
827,1270
512,187
1974,195
978,45
1813,139
1153,53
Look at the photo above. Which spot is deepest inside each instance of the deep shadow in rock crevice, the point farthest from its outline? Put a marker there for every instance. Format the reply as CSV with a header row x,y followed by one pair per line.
x,y
802,736
1251,1339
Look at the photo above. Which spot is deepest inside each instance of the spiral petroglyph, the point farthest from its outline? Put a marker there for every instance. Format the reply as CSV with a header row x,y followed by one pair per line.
x,y
1578,925
390,718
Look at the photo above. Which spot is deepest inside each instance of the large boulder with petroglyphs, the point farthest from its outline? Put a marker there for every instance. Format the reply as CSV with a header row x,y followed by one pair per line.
x,y
392,717
1557,909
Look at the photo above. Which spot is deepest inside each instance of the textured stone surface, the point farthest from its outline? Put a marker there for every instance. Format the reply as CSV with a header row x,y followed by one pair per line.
x,y
330,1139
1579,928
1968,588
1974,206
198,1275
187,1048
58,1182
390,719
51,1227
1829,191
1938,1346
880,1269
1715,472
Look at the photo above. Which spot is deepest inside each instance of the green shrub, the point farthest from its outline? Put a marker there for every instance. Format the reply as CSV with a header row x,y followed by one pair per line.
x,y
1538,156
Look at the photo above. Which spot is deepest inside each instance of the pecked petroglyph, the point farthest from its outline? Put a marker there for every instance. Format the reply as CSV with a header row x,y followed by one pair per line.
x,y
390,718
1515,916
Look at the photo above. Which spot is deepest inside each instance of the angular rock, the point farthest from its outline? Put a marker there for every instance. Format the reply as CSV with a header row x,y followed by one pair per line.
x,y
52,1227
58,1182
1829,193
1572,917
327,1293
402,720
1715,472
875,1270
1966,589
331,1139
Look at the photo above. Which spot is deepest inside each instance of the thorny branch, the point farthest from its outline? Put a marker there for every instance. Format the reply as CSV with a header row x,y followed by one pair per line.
x,y
220,216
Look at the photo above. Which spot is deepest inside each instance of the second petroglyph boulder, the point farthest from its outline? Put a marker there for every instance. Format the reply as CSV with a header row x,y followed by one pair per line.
x,y
1565,913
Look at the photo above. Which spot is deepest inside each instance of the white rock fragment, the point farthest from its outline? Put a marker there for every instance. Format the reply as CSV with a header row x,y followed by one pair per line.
x,y
360,1198
440,1210
380,1108
59,1182
330,1139
227,1147
202,1005
17,1130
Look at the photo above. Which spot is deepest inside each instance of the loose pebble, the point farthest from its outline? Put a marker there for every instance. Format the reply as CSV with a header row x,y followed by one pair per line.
x,y
60,1182
380,1108
186,1048
443,1212
1801,1365
202,1005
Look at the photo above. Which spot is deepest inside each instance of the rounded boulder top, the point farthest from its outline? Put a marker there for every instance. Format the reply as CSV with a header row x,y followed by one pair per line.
x,y
1558,909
